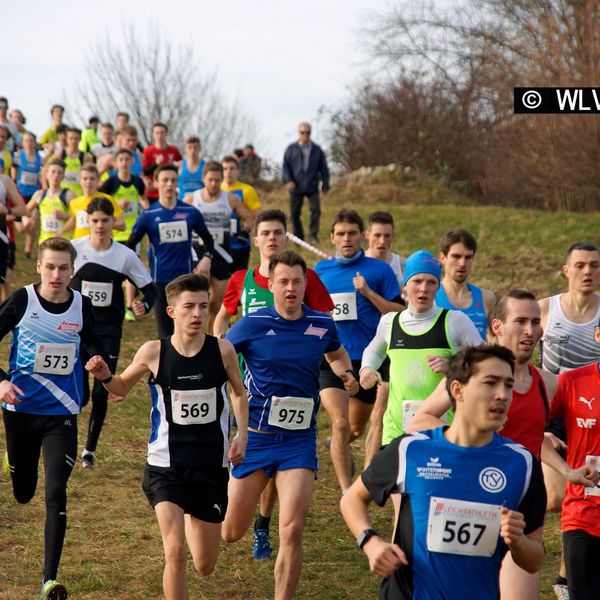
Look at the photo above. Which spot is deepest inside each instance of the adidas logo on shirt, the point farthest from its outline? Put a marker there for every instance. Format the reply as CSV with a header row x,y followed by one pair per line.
x,y
271,332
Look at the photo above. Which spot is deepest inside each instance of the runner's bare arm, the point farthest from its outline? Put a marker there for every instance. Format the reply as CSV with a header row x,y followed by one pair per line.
x,y
527,550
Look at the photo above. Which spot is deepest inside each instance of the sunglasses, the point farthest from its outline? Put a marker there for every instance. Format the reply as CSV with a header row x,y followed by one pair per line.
x,y
304,132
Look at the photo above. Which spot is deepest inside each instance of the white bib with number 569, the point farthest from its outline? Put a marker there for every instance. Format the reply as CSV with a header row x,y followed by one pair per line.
x,y
173,232
290,412
55,359
463,527
99,293
194,407
345,306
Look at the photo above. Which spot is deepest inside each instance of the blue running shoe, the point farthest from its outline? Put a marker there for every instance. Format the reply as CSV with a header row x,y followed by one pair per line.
x,y
261,547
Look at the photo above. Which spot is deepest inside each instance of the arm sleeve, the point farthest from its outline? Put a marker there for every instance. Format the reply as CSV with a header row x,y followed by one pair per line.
x,y
533,505
238,335
12,310
139,185
462,330
334,338
137,233
90,340
149,296
324,170
375,353
251,199
286,173
317,296
108,187
136,271
233,293
381,477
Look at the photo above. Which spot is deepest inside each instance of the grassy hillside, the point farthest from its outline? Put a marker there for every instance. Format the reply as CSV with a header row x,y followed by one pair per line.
x,y
113,547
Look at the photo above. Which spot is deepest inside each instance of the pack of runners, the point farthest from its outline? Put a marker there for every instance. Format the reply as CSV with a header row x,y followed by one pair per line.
x,y
455,429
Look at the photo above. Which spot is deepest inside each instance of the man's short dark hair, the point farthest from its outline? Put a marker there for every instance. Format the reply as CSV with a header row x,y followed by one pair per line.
x,y
162,168
457,236
74,130
93,119
160,124
464,364
585,246
212,165
62,129
289,258
229,159
348,215
501,311
271,214
57,162
101,204
55,106
186,283
382,217
128,130
57,244
124,151
122,113
108,125
193,139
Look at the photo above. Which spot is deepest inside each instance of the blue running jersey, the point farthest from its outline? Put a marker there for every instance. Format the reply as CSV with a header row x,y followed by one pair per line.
x,y
475,312
355,316
28,178
282,361
449,516
190,182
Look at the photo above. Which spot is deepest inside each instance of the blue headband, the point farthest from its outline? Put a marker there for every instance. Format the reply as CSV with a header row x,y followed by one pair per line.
x,y
421,261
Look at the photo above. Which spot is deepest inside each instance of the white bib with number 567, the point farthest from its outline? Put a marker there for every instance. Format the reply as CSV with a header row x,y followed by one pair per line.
x,y
98,292
345,307
54,359
194,407
463,527
290,412
173,232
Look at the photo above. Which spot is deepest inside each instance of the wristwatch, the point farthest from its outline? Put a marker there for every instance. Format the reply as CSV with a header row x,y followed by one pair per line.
x,y
364,537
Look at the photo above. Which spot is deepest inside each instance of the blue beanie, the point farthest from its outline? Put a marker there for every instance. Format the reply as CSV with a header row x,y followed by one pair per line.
x,y
421,261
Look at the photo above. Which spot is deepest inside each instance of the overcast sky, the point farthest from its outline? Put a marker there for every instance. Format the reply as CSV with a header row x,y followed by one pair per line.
x,y
284,58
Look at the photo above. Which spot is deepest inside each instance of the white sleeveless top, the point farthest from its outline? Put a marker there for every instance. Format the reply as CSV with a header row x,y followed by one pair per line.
x,y
217,216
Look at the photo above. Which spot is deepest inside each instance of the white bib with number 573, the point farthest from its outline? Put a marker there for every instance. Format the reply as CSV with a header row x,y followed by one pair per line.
x,y
98,292
345,307
194,407
55,359
173,232
463,527
290,412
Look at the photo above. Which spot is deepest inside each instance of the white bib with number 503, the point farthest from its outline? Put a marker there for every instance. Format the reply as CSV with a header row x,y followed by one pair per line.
x,y
345,307
194,407
173,232
50,224
463,527
99,293
290,412
54,359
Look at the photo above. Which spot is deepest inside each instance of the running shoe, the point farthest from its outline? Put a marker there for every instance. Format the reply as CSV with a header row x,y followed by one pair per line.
x,y
561,591
129,316
261,547
52,590
88,460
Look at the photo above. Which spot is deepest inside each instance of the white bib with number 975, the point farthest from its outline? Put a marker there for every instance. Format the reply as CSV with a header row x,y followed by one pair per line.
x,y
345,306
98,292
290,412
54,359
194,407
463,527
173,232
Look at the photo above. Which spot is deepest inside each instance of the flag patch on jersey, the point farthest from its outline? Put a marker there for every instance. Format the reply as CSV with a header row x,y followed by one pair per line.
x,y
439,508
318,331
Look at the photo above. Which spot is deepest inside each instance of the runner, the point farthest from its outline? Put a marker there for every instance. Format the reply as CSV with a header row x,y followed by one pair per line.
x,y
362,289
159,153
457,253
240,239
169,225
74,159
185,478
89,136
191,169
5,153
127,138
216,207
106,145
468,495
249,289
380,236
56,112
42,391
282,347
101,267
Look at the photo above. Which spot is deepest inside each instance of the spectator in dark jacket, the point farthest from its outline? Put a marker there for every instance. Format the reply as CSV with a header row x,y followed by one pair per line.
x,y
304,163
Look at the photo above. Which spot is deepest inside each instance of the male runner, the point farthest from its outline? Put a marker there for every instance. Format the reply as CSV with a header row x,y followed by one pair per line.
x,y
127,138
185,478
56,112
240,240
42,391
5,153
362,289
101,267
457,253
282,347
106,145
216,207
74,159
169,225
568,320
468,495
159,153
191,169
249,289
89,136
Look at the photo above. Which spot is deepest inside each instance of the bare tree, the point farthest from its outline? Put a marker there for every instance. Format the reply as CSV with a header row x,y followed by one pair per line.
x,y
154,79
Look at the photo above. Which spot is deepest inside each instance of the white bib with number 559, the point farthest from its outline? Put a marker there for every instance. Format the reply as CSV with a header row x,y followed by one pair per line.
x,y
463,527
55,359
194,407
345,307
99,293
289,412
173,232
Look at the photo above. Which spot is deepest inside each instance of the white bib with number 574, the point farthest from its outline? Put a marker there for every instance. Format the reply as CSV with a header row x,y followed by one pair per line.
x,y
98,292
54,359
290,412
194,407
173,232
463,527
345,307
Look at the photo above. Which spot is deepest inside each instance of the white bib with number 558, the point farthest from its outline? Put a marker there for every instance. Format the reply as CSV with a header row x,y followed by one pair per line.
x,y
345,307
289,412
194,407
98,292
54,359
173,232
462,527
